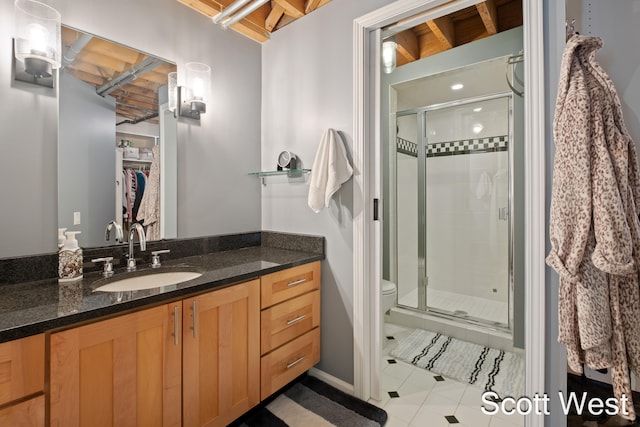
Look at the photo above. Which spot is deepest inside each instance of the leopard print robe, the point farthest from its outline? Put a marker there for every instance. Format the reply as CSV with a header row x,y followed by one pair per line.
x,y
594,227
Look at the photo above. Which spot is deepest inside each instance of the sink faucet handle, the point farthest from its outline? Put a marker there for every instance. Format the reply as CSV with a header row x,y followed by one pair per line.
x,y
108,265
155,257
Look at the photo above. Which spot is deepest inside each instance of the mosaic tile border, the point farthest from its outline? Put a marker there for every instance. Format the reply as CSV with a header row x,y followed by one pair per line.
x,y
406,147
469,146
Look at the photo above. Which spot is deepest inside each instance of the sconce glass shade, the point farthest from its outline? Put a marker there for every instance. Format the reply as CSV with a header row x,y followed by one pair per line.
x,y
172,89
37,37
389,56
192,98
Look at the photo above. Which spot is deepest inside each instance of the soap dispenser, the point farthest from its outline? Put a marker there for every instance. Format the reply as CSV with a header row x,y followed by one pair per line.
x,y
70,259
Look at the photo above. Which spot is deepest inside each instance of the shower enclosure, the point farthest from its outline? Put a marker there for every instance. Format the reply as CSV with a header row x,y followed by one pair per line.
x,y
453,209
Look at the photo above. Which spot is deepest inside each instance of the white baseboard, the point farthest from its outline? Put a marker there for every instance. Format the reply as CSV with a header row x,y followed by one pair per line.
x,y
332,381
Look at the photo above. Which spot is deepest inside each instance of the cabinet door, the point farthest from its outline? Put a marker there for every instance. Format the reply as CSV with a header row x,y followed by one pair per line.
x,y
118,372
21,368
221,353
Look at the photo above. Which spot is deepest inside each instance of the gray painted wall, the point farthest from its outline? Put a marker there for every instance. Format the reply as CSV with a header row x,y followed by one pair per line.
x,y
307,86
220,149
505,43
86,160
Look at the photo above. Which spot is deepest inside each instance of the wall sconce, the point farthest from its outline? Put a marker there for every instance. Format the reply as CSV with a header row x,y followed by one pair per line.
x,y
389,56
192,99
36,42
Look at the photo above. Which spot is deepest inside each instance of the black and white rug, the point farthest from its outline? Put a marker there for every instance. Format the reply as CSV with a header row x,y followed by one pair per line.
x,y
487,368
310,402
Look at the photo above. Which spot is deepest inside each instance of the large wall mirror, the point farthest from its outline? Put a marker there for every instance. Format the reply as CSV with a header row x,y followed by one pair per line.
x,y
117,141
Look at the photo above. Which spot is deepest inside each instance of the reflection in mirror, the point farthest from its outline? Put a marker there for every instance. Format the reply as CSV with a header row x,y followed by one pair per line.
x,y
116,140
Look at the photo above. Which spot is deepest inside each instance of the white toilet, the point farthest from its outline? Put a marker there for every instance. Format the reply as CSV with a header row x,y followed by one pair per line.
x,y
389,294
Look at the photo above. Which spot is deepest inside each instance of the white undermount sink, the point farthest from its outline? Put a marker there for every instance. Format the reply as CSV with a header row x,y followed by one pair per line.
x,y
148,281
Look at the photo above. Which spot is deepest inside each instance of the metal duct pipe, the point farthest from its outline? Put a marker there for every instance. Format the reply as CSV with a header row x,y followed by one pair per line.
x,y
129,75
244,12
75,49
138,120
229,10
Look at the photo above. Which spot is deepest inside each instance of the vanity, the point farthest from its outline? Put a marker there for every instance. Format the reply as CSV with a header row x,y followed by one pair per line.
x,y
200,352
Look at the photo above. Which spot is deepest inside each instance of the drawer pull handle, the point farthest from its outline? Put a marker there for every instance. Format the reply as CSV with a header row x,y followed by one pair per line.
x,y
295,362
176,325
296,320
297,282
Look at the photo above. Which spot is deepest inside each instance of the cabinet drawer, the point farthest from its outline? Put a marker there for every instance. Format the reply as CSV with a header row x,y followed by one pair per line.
x,y
284,364
287,284
21,368
285,321
24,414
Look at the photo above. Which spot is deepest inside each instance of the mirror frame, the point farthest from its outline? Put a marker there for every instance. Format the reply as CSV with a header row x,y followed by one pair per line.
x,y
367,320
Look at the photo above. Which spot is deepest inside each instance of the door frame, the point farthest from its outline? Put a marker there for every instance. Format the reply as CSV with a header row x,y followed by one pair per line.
x,y
367,319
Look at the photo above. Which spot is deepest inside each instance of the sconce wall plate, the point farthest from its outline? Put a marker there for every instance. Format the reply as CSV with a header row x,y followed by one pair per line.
x,y
20,73
191,109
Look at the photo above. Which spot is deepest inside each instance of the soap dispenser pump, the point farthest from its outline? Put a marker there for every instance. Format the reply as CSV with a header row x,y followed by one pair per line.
x,y
70,259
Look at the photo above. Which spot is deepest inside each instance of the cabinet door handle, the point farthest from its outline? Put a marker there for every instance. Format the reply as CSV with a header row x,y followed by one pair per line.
x,y
176,324
195,319
296,282
295,320
295,362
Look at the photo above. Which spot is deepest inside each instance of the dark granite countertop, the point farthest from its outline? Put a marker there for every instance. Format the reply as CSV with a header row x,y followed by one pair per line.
x,y
38,306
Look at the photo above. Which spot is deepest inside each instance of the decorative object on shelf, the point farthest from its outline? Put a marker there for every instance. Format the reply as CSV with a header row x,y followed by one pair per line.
x,y
287,160
192,98
172,89
389,56
36,42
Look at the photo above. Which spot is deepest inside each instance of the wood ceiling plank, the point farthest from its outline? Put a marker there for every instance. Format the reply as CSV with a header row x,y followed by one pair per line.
x,y
293,8
311,5
489,15
408,46
429,45
444,31
208,8
274,16
284,21
323,2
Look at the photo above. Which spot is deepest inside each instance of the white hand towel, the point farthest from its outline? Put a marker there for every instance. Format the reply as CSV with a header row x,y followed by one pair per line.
x,y
330,170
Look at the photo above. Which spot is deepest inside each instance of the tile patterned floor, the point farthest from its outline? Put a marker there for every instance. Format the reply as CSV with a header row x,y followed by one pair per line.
x,y
415,397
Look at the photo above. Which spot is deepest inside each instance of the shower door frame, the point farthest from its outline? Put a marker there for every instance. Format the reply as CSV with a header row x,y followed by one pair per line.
x,y
422,141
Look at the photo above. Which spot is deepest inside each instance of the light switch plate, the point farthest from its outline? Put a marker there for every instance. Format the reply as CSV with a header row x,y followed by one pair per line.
x,y
76,218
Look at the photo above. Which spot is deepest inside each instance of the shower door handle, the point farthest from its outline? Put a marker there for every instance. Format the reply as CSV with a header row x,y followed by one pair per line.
x,y
503,214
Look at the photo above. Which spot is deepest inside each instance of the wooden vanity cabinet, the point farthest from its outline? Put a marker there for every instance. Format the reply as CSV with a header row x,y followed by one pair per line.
x,y
221,355
22,382
124,371
191,363
290,325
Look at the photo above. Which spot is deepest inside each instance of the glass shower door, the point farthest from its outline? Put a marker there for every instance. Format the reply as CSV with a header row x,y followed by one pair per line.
x,y
466,229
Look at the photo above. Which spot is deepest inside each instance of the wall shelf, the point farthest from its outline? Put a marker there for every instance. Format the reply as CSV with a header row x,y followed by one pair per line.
x,y
291,173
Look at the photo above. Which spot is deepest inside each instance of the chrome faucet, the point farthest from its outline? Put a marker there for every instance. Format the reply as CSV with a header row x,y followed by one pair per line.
x,y
131,262
119,238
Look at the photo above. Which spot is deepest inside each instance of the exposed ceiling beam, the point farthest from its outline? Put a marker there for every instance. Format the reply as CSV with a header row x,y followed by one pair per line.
x,y
274,16
444,31
311,5
293,8
408,46
489,14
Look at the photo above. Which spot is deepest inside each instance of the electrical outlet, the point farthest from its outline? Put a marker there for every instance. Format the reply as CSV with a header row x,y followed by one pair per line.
x,y
76,218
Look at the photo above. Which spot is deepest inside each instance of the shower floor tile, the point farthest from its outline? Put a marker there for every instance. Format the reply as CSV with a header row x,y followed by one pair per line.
x,y
422,400
475,307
